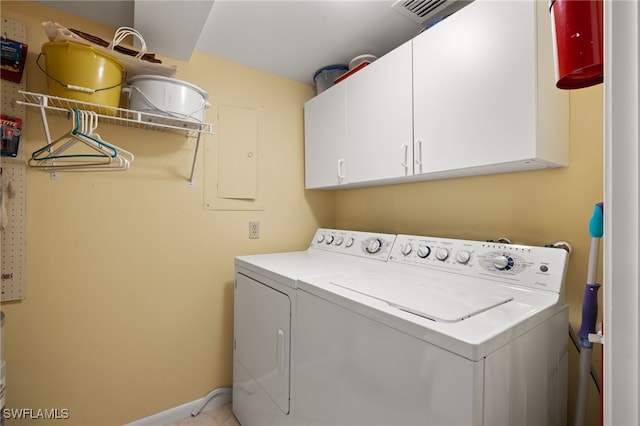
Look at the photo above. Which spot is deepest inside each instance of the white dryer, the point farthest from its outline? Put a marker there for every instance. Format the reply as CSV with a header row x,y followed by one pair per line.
x,y
265,312
447,332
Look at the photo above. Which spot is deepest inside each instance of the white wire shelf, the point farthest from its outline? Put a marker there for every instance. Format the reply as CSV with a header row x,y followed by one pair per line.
x,y
116,116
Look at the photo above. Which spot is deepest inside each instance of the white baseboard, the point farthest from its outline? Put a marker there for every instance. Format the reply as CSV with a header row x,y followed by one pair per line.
x,y
214,399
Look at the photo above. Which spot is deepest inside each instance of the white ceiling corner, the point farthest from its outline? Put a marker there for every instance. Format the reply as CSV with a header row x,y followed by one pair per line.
x,y
172,28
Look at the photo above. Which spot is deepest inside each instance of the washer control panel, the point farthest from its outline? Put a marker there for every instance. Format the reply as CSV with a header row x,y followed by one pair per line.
x,y
356,243
530,266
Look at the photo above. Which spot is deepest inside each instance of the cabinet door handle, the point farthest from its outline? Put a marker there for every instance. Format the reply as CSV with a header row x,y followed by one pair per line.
x,y
405,158
280,353
418,155
340,167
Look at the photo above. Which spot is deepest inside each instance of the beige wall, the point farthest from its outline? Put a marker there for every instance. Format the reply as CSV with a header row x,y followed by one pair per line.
x,y
129,278
129,296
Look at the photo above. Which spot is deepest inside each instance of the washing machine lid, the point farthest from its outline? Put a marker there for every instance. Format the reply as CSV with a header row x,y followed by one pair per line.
x,y
439,299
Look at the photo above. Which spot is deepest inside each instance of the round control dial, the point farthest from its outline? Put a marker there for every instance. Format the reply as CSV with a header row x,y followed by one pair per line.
x,y
350,242
463,256
423,252
320,238
339,241
442,254
330,239
406,249
374,246
502,262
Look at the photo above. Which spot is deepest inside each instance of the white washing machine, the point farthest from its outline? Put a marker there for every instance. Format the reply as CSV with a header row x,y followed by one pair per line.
x,y
447,332
265,312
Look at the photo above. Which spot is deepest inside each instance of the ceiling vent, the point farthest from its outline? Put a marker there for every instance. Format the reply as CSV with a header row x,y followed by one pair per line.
x,y
425,11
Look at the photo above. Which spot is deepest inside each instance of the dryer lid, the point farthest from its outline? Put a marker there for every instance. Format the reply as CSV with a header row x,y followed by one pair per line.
x,y
438,299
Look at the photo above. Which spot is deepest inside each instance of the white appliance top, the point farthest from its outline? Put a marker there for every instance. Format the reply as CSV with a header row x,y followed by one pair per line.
x,y
330,251
469,297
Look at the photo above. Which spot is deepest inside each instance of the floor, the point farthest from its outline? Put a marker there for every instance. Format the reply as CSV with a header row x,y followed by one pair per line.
x,y
221,416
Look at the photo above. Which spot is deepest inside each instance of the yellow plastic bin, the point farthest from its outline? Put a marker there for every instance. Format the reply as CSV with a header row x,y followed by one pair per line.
x,y
79,72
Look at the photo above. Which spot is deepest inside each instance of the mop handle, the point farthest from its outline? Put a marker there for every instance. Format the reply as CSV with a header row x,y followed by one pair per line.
x,y
590,298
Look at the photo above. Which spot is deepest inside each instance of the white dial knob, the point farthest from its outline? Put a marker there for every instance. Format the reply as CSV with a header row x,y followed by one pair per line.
x,y
500,262
330,239
339,240
374,246
320,238
350,242
463,257
406,249
442,254
423,252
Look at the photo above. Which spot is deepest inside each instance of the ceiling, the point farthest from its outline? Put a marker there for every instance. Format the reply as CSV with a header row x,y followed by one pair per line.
x,y
290,38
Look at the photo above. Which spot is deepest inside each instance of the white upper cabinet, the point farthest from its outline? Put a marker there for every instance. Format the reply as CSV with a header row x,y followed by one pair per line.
x,y
325,136
474,94
484,91
379,119
360,130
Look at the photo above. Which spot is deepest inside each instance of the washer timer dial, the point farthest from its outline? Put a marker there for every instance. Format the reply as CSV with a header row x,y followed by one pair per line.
x,y
502,261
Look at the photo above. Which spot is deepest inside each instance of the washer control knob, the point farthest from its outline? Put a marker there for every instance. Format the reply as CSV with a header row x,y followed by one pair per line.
x,y
406,249
330,239
320,238
500,262
463,256
350,242
423,252
442,254
374,246
339,240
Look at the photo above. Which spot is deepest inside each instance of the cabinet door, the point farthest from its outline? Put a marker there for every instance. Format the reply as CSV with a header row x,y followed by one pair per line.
x,y
324,130
379,118
475,87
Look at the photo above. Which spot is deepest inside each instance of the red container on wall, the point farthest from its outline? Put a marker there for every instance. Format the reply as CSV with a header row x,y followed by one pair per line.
x,y
577,33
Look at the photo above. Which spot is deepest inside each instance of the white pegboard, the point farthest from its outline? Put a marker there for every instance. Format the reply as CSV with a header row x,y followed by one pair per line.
x,y
13,247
